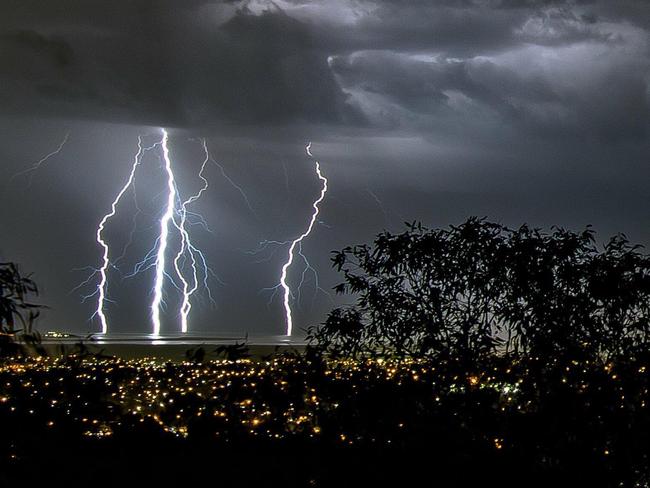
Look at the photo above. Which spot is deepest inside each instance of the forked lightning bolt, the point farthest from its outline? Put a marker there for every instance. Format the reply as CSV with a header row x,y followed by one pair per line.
x,y
298,243
176,214
186,246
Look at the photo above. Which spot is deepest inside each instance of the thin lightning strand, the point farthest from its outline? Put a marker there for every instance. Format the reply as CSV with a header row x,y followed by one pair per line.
x,y
37,165
235,186
164,234
296,242
134,226
379,204
382,208
101,287
227,177
317,287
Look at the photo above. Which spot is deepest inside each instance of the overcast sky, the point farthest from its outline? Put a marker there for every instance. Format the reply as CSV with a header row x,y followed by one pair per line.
x,y
522,111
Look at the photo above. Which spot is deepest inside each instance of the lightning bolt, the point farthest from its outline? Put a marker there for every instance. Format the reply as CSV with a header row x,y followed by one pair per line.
x,y
298,243
103,270
167,217
176,214
37,165
186,245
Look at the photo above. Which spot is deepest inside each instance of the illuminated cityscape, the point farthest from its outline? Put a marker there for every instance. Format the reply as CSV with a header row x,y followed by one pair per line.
x,y
325,244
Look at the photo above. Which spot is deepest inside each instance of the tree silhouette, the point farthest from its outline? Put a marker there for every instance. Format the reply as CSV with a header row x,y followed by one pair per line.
x,y
14,289
480,289
16,310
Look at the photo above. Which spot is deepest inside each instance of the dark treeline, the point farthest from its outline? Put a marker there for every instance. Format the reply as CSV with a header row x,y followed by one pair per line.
x,y
481,289
470,356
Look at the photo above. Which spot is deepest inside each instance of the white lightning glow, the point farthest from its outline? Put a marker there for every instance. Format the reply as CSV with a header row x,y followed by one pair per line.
x,y
103,270
298,241
189,288
167,217
175,213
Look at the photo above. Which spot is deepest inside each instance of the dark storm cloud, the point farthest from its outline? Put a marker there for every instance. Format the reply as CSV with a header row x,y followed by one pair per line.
x,y
29,45
262,68
608,102
153,62
457,28
200,63
546,67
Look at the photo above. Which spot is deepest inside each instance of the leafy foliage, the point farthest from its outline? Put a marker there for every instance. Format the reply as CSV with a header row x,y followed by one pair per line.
x,y
480,289
233,352
17,312
14,306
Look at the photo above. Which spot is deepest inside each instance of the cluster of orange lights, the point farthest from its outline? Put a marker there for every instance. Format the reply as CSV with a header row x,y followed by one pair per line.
x,y
272,398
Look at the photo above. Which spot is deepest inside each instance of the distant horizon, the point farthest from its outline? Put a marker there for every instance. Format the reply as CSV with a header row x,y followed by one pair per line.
x,y
187,337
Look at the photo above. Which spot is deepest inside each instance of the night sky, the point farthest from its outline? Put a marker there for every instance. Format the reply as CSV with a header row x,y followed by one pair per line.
x,y
521,111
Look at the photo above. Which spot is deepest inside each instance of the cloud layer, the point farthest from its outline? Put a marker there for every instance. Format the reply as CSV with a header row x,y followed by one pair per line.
x,y
541,65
